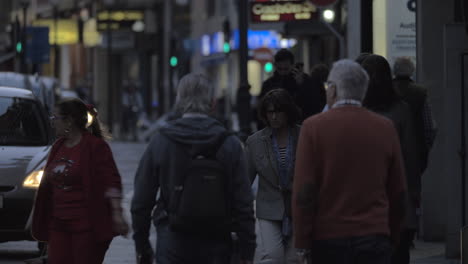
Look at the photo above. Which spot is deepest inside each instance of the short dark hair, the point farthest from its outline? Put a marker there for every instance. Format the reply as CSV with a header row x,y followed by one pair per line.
x,y
284,55
282,101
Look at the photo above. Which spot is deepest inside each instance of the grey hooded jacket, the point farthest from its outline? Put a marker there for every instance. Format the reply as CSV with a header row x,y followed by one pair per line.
x,y
160,163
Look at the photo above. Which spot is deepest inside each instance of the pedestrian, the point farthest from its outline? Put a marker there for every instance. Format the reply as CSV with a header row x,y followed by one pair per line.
x,y
78,205
349,183
382,98
271,154
132,107
416,97
312,98
288,76
200,173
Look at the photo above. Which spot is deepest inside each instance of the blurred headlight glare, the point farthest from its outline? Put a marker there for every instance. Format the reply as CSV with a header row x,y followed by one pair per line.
x,y
34,179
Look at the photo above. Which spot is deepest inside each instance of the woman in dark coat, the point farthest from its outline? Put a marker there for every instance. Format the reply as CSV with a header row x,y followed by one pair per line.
x,y
381,98
77,210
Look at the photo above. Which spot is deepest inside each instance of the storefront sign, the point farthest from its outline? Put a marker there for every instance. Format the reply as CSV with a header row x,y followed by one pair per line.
x,y
263,55
66,32
394,24
213,43
119,19
322,2
282,11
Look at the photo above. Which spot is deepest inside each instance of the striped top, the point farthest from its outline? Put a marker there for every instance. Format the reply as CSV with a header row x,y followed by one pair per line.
x,y
282,153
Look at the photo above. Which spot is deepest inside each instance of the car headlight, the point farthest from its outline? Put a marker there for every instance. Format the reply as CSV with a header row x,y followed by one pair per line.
x,y
34,179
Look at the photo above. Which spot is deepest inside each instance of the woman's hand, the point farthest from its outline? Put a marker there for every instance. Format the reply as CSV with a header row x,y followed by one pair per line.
x,y
120,225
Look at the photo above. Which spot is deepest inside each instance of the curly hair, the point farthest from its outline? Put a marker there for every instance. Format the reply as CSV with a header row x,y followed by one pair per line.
x,y
281,101
77,110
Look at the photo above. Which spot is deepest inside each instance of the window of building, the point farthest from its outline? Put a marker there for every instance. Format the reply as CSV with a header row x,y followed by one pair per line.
x,y
211,7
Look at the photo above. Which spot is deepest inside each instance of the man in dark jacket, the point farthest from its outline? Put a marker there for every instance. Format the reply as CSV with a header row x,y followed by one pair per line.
x,y
290,76
416,96
164,160
425,131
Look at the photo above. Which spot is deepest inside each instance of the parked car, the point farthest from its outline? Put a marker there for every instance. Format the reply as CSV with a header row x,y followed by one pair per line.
x,y
26,138
43,88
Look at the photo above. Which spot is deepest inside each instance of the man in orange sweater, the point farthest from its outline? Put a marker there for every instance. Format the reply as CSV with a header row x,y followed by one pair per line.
x,y
349,183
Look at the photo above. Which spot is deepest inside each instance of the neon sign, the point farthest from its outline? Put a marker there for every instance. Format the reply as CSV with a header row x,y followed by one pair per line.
x,y
282,11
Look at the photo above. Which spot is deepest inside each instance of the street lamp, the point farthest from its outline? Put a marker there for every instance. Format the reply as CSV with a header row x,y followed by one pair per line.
x,y
327,18
110,93
328,15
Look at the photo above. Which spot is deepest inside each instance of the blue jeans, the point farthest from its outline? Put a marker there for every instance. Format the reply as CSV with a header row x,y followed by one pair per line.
x,y
373,249
162,243
177,248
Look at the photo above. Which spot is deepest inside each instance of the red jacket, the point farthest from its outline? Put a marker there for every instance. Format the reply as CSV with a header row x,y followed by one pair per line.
x,y
101,177
349,178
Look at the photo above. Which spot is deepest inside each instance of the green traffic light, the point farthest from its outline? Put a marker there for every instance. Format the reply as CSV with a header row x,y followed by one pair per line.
x,y
268,67
19,47
173,61
226,47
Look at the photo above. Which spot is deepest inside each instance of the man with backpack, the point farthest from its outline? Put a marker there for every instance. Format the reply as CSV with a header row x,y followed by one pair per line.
x,y
192,182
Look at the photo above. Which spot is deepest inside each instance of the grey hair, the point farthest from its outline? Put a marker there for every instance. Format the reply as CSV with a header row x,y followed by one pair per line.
x,y
195,94
403,66
350,78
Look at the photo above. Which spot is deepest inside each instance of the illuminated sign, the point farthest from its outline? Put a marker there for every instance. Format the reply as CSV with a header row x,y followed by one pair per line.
x,y
66,32
212,44
119,19
282,11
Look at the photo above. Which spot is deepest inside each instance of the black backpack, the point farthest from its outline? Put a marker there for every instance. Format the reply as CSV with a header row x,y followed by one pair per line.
x,y
199,198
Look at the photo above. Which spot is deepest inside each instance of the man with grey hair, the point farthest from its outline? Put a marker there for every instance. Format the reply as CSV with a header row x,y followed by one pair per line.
x,y
349,183
204,192
416,97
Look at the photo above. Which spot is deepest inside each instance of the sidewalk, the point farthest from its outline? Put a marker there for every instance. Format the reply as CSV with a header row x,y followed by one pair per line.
x,y
430,253
122,250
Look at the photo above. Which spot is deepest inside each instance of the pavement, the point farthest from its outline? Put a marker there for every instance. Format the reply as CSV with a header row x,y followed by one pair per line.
x,y
122,250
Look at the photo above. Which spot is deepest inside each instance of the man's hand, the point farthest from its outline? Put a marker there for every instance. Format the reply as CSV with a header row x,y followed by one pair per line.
x,y
299,76
145,257
303,256
302,259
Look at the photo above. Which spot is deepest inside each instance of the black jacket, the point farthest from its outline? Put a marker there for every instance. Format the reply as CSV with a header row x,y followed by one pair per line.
x,y
160,163
308,96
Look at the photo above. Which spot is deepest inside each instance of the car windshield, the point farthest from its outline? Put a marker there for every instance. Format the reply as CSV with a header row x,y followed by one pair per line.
x,y
22,123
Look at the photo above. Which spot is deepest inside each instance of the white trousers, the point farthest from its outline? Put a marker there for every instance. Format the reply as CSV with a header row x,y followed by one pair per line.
x,y
272,249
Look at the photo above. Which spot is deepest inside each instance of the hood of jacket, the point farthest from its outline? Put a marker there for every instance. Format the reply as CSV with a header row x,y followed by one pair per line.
x,y
201,132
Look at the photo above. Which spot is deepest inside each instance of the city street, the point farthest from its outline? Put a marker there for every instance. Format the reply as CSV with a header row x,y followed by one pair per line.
x,y
122,250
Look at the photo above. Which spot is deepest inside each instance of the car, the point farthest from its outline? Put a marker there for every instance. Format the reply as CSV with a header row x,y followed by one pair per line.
x,y
26,138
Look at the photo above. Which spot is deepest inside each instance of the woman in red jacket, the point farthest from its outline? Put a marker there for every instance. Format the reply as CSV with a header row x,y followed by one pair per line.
x,y
77,210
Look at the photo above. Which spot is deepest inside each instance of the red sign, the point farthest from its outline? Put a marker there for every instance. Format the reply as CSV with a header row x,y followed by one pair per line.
x,y
322,2
287,10
263,55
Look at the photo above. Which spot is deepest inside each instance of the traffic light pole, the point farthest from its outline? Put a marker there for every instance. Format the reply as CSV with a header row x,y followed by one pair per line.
x,y
110,93
243,94
167,27
24,69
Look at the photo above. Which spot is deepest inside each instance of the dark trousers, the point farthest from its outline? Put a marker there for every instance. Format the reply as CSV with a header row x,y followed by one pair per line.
x,y
375,249
177,248
402,251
